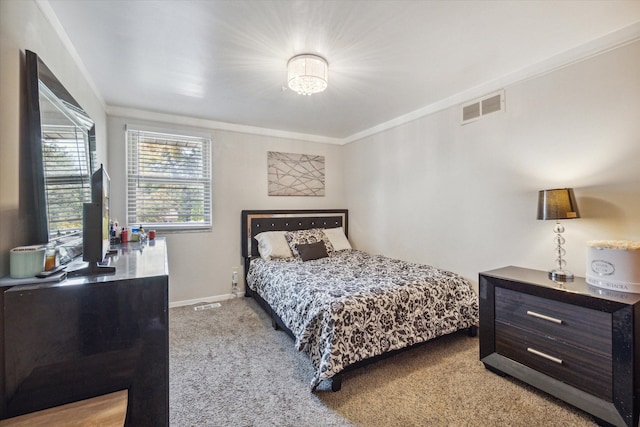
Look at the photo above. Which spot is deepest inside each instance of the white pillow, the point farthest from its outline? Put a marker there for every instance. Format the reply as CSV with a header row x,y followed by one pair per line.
x,y
337,238
273,244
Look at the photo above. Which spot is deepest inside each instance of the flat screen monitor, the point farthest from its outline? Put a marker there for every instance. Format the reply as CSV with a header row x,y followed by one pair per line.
x,y
95,227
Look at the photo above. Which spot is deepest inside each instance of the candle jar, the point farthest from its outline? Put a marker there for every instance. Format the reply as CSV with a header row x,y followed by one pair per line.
x,y
50,258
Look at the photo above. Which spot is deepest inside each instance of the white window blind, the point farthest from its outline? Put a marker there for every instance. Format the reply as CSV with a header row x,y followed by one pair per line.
x,y
67,178
168,180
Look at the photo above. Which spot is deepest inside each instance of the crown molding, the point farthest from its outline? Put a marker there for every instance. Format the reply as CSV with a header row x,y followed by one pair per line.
x,y
580,53
133,113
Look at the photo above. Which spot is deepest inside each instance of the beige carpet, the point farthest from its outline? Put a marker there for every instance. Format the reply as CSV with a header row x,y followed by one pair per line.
x,y
230,368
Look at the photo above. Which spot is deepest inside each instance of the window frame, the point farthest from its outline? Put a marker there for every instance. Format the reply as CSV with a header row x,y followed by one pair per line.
x,y
207,159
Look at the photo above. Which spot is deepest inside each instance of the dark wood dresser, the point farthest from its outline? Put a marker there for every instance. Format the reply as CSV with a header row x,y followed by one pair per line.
x,y
574,341
84,337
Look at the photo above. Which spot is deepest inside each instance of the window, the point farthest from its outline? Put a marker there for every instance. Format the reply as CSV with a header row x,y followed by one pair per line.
x,y
168,180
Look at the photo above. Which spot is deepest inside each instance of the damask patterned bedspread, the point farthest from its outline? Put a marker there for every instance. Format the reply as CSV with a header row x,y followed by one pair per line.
x,y
351,305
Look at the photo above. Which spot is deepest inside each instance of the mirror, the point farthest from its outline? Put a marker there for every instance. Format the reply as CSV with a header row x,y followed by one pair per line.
x,y
61,153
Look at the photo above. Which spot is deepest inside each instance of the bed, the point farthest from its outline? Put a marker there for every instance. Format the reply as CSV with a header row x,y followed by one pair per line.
x,y
342,306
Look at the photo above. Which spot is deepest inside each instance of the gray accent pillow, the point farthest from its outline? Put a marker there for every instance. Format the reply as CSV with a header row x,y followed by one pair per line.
x,y
311,251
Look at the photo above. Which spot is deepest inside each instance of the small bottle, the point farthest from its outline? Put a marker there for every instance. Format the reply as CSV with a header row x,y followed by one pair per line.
x,y
132,235
124,235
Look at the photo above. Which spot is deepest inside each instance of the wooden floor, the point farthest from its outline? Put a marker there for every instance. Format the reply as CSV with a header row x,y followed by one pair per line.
x,y
108,410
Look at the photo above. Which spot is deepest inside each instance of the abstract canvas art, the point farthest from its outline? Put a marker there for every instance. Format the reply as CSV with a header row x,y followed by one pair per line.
x,y
295,174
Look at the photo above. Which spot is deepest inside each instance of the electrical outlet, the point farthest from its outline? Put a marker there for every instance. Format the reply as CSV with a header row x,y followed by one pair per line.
x,y
234,281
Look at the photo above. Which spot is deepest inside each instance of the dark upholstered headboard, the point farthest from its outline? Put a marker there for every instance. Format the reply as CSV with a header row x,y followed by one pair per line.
x,y
255,222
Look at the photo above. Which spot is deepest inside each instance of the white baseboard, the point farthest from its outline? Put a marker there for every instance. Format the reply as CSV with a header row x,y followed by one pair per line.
x,y
206,299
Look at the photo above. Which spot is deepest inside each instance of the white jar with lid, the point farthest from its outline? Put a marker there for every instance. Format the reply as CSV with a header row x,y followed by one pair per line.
x,y
614,264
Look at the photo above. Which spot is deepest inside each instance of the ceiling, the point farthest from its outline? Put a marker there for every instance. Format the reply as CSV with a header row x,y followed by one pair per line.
x,y
389,61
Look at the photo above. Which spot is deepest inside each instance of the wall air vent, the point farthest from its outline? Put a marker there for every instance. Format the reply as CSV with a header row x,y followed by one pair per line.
x,y
471,112
478,108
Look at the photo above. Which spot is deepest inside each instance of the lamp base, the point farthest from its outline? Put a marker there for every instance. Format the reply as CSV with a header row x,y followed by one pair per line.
x,y
561,276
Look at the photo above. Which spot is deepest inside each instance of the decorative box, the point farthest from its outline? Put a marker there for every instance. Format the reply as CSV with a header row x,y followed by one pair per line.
x,y
614,264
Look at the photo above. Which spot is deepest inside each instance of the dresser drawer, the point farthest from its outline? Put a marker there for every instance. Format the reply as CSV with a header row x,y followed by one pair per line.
x,y
582,327
585,370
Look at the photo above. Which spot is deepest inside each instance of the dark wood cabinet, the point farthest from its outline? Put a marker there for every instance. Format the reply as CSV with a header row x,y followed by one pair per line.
x,y
88,336
574,341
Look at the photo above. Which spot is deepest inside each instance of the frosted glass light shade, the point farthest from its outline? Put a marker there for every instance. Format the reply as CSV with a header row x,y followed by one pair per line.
x,y
308,74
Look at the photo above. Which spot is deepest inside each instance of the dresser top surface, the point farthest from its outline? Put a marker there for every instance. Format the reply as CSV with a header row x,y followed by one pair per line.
x,y
578,287
134,260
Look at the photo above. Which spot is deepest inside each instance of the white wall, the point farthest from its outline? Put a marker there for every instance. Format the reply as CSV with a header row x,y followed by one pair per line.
x,y
24,26
200,264
464,197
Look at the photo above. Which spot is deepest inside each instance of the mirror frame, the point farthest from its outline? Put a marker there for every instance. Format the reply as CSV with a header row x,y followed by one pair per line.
x,y
37,72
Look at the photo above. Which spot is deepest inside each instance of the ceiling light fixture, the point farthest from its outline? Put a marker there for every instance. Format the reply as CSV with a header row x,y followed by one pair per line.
x,y
308,74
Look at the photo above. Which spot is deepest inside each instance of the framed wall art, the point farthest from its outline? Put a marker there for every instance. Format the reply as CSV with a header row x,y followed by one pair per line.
x,y
295,174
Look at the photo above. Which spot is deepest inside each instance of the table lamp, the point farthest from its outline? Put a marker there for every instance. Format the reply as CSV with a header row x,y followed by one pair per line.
x,y
559,203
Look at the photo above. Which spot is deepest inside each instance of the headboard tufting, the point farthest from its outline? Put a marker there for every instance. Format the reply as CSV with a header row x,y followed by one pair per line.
x,y
256,221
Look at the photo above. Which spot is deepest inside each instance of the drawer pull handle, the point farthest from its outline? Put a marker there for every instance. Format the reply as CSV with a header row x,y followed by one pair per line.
x,y
544,317
546,356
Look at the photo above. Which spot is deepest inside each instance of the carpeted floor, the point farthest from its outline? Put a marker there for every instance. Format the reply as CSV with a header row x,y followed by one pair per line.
x,y
228,367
